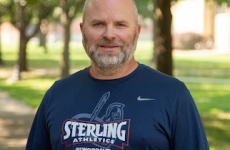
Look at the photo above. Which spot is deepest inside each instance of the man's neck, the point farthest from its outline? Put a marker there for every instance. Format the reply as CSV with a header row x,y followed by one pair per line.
x,y
109,73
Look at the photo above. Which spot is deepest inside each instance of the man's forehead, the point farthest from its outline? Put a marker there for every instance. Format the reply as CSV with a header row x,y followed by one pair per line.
x,y
90,2
94,3
110,10
109,6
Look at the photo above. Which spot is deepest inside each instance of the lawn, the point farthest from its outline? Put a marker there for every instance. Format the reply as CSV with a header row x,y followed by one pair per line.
x,y
213,100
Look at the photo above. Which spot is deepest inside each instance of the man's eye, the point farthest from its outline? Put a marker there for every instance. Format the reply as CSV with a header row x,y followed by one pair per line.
x,y
121,25
97,24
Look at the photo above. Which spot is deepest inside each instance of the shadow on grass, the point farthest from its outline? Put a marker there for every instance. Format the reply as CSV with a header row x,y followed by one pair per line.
x,y
213,103
218,132
14,131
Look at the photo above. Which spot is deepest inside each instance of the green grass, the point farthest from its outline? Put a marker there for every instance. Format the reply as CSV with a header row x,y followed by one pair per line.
x,y
30,91
215,66
212,100
213,103
207,66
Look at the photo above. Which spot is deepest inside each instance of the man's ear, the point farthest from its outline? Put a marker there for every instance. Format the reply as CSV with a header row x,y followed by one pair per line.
x,y
138,29
81,26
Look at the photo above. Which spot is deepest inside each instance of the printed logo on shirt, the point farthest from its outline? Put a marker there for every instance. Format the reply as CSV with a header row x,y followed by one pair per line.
x,y
102,132
85,148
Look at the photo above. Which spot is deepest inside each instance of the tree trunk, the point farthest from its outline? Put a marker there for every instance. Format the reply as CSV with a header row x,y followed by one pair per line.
x,y
65,55
154,59
163,38
42,37
43,34
66,19
22,61
1,60
21,64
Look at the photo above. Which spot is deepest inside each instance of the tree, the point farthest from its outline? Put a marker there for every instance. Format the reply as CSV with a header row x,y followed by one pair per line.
x,y
43,34
1,60
69,10
163,40
22,14
27,12
159,11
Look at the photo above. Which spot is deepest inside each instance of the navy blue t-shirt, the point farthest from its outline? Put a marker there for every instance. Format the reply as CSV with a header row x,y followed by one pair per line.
x,y
145,110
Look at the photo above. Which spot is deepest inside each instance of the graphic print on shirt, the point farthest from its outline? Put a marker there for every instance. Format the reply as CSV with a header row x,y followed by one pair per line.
x,y
102,132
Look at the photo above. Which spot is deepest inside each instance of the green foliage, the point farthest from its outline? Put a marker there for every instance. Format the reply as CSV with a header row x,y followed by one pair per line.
x,y
145,8
222,1
31,9
7,8
71,7
39,8
35,2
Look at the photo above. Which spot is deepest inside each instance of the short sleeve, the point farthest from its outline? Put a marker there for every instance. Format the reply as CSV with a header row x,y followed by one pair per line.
x,y
187,129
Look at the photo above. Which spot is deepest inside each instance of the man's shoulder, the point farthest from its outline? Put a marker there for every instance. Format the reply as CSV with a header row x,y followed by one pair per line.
x,y
158,78
73,79
155,74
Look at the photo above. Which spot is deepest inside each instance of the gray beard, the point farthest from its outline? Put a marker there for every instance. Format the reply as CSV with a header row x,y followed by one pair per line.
x,y
110,59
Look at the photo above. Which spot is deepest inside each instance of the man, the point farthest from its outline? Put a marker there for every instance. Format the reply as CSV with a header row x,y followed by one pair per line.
x,y
116,103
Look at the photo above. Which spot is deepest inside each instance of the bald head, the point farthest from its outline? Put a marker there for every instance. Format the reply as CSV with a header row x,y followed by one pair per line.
x,y
90,3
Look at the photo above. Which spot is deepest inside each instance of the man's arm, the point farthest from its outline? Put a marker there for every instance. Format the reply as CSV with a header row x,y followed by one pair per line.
x,y
187,129
39,135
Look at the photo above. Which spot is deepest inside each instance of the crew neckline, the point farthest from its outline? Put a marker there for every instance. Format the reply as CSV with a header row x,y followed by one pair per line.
x,y
117,80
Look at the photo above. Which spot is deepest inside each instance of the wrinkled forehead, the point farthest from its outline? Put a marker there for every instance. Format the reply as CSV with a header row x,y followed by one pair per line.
x,y
93,7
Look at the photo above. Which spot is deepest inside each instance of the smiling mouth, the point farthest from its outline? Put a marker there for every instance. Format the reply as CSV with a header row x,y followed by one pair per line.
x,y
109,46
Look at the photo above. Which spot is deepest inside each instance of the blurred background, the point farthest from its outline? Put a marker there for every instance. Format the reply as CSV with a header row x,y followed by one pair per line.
x,y
40,42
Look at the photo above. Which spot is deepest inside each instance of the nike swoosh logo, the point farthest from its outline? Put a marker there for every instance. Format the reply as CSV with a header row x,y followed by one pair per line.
x,y
144,99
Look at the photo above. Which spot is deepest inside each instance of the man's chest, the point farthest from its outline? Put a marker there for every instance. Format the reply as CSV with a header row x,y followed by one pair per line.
x,y
109,121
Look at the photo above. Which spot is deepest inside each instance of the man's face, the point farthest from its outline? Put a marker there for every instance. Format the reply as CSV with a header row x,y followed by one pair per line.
x,y
110,32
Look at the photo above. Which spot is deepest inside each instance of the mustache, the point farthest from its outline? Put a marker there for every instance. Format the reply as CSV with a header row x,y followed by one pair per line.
x,y
104,42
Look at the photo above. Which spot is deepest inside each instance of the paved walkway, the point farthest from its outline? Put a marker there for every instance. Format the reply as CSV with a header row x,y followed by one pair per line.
x,y
15,122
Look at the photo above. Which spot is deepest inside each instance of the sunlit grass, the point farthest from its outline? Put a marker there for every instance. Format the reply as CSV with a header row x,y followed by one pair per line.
x,y
213,103
213,66
29,91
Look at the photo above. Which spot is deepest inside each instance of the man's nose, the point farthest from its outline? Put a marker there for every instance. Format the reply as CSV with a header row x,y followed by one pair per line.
x,y
109,33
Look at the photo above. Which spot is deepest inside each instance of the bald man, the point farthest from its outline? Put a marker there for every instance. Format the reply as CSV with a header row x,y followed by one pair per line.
x,y
116,103
110,32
